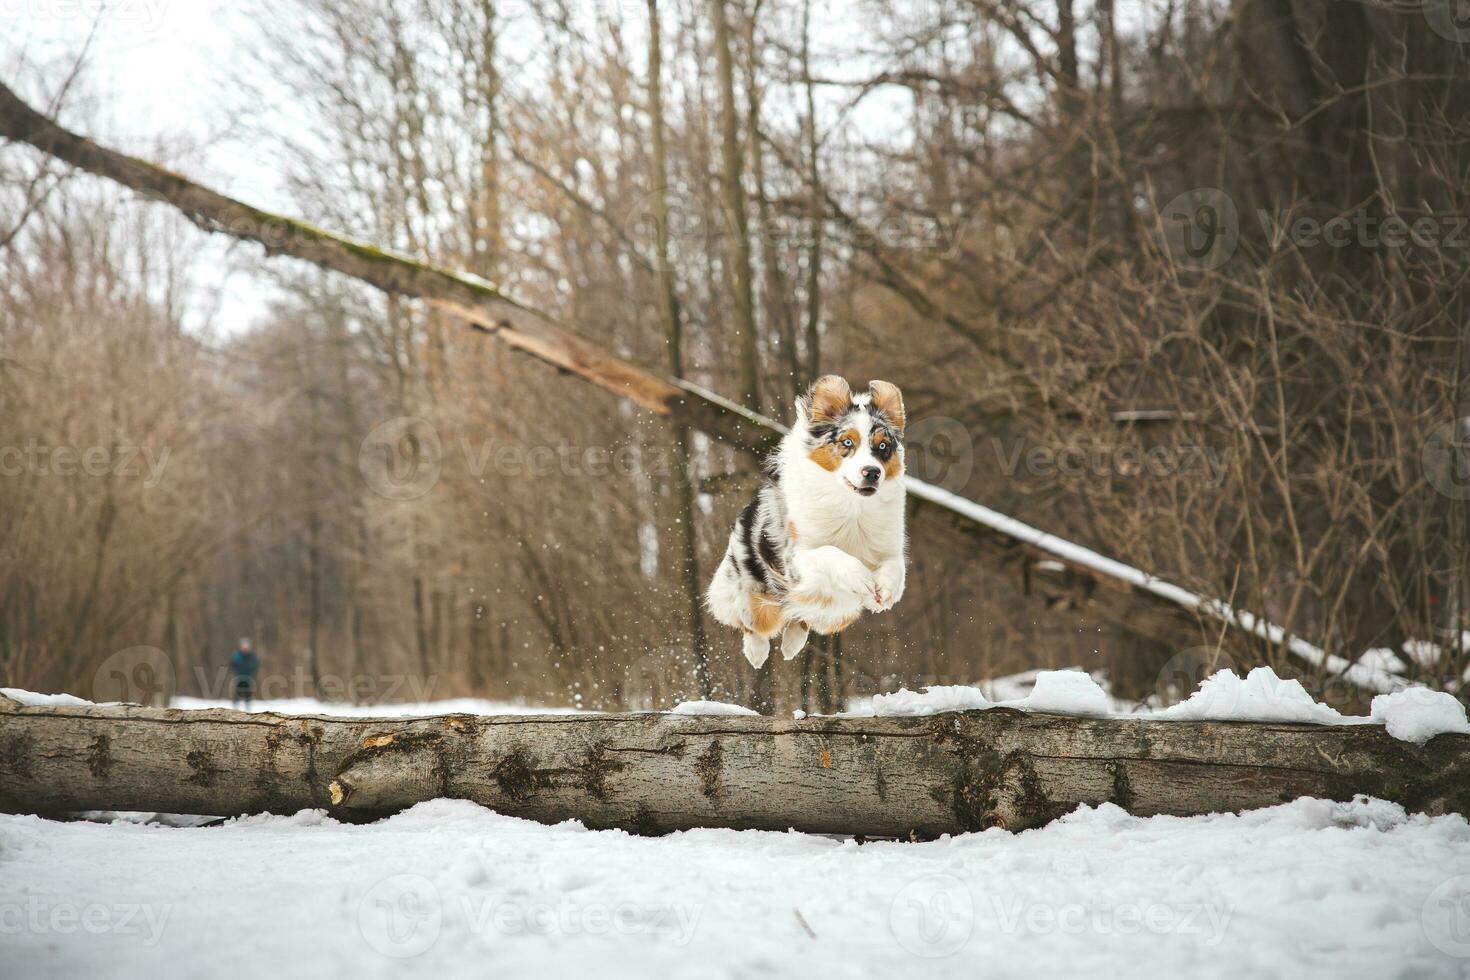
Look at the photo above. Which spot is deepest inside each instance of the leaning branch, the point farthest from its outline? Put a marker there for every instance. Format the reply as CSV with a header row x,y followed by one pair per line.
x,y
477,302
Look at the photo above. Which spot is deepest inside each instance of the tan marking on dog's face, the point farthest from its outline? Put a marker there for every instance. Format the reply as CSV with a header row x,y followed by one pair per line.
x,y
888,400
829,397
767,613
826,457
791,531
829,455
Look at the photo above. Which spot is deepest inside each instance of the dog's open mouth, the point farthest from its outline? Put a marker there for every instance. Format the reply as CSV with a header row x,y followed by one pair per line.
x,y
864,491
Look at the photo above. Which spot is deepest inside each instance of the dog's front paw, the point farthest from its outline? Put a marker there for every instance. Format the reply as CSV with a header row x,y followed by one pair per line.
x,y
855,580
877,599
887,590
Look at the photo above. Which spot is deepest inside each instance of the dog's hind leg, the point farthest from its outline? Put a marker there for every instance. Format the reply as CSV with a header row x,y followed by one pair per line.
x,y
757,649
793,639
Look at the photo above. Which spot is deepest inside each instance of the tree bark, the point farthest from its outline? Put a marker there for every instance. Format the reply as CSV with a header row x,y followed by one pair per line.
x,y
654,773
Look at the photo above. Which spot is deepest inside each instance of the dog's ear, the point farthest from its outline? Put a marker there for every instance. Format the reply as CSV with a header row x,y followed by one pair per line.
x,y
828,397
888,400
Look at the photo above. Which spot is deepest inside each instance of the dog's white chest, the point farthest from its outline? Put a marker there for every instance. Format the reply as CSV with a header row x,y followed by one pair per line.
x,y
872,538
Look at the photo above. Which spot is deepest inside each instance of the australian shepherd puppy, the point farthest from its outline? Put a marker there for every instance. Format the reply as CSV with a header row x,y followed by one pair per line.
x,y
824,537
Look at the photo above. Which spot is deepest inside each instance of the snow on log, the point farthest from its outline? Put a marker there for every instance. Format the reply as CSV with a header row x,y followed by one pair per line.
x,y
654,773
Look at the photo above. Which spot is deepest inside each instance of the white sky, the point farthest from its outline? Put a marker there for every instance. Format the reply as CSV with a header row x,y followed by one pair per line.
x,y
160,84
157,76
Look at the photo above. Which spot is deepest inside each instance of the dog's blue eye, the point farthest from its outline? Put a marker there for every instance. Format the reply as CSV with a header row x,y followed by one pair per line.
x,y
847,443
883,446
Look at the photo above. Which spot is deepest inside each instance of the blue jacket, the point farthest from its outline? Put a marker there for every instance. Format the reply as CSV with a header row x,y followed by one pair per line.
x,y
244,663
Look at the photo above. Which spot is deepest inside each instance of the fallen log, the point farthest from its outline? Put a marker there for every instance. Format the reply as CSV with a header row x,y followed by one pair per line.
x,y
653,773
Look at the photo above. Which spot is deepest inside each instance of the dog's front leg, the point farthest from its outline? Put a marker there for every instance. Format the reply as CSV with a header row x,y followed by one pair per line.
x,y
830,573
888,582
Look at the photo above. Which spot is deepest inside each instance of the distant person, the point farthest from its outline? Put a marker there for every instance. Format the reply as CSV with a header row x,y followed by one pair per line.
x,y
244,665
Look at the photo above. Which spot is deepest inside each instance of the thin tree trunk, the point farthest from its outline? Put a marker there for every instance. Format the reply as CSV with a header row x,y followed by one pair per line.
x,y
314,601
421,626
737,262
816,203
776,300
732,195
685,537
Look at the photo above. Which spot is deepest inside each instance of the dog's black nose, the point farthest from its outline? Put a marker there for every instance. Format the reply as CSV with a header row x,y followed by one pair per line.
x,y
871,474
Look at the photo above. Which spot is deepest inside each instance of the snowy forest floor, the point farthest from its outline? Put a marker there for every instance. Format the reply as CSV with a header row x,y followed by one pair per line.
x,y
449,889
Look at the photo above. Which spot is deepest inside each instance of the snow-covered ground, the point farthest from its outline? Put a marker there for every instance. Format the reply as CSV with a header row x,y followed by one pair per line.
x,y
449,889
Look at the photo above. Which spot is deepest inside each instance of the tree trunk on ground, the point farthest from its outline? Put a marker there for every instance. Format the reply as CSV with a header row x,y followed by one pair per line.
x,y
653,773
